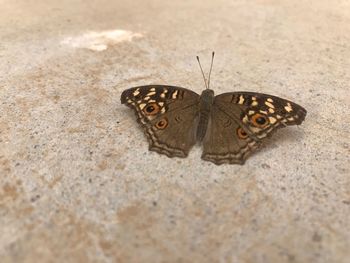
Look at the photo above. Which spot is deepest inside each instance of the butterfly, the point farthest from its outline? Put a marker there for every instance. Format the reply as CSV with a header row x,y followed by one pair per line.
x,y
231,126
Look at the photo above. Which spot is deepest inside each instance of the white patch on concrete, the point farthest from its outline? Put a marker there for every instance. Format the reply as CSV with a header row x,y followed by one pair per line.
x,y
99,41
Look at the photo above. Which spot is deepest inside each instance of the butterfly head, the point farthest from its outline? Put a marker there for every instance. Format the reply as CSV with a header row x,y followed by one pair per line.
x,y
207,95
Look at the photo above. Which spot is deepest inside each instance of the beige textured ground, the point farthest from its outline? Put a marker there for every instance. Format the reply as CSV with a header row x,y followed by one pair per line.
x,y
77,181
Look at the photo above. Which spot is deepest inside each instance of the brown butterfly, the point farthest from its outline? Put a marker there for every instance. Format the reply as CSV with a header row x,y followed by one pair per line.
x,y
231,125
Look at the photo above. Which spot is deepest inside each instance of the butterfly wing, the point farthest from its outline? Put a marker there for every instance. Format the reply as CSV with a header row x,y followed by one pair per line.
x,y
168,115
221,143
240,120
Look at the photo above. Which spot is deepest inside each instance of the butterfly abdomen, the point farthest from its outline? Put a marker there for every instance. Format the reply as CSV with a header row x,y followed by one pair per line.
x,y
205,105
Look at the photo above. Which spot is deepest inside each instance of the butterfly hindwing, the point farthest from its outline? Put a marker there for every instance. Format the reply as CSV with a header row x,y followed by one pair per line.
x,y
225,140
168,115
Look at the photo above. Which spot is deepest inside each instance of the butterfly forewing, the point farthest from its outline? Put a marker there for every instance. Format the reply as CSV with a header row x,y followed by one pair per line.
x,y
168,114
260,114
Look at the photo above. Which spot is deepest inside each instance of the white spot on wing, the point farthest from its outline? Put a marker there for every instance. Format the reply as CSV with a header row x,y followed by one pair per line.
x,y
245,119
269,104
255,129
288,108
174,95
272,120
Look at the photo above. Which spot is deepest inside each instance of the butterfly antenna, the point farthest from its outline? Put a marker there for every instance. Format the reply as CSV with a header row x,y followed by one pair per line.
x,y
211,66
205,81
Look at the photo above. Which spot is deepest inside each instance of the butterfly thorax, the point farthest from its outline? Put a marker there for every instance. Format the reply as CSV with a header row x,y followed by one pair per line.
x,y
205,104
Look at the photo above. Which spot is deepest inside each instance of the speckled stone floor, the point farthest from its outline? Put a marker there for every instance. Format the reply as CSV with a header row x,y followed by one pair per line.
x,y
78,183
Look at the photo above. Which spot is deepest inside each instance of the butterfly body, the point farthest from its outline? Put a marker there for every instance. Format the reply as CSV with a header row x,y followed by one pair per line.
x,y
230,126
205,106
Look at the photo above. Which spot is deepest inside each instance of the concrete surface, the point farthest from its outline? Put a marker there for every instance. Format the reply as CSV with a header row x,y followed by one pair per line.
x,y
77,181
